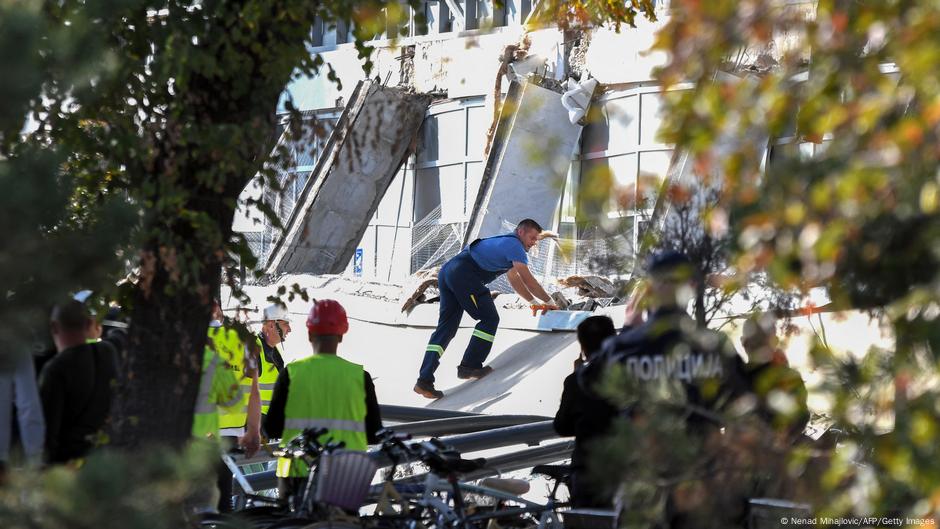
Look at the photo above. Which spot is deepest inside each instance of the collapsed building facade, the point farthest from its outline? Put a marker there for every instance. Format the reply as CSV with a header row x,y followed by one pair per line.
x,y
462,128
478,129
460,133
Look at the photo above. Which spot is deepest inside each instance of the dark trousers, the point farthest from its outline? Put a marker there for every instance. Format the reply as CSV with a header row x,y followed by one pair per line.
x,y
462,284
290,491
224,476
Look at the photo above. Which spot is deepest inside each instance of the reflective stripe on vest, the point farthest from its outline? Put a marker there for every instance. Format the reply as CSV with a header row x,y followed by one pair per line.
x,y
329,392
266,379
206,414
232,350
329,424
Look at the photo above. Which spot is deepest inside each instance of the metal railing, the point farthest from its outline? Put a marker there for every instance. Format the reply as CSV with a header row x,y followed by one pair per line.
x,y
482,432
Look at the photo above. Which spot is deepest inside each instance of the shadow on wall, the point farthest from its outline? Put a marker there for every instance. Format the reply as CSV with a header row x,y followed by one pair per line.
x,y
509,368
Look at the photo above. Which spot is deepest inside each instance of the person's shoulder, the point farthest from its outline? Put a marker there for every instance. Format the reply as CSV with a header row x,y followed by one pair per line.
x,y
570,380
625,342
352,364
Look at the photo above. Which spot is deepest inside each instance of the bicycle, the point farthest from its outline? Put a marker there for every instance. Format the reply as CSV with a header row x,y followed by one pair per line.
x,y
440,501
305,447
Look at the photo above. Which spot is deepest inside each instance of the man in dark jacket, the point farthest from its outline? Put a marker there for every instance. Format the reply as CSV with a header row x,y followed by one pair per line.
x,y
75,385
584,416
679,383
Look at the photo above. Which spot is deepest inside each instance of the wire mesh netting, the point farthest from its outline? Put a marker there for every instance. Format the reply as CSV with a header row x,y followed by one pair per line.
x,y
433,242
596,252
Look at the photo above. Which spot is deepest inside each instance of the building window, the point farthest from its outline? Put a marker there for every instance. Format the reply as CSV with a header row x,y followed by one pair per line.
x,y
448,172
620,152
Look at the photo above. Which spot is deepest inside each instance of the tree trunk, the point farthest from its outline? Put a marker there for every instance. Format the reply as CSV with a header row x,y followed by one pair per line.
x,y
161,367
216,138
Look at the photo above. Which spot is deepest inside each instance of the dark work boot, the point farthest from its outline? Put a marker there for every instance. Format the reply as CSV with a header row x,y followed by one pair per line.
x,y
464,372
426,389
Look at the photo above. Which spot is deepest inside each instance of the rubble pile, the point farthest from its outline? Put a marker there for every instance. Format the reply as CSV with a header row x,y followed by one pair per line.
x,y
578,292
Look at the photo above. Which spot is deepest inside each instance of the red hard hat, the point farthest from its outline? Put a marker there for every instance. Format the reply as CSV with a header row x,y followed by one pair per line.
x,y
327,317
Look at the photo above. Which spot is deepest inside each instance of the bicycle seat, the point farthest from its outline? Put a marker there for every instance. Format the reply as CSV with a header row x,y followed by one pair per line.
x,y
556,472
448,464
511,486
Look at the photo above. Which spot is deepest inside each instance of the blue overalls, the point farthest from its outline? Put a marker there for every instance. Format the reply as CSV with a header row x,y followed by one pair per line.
x,y
462,284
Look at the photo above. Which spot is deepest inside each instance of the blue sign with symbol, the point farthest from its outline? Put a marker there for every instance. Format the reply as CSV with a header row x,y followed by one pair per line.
x,y
357,263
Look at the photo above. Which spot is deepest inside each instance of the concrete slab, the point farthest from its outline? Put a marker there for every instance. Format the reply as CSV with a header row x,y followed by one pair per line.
x,y
527,163
361,158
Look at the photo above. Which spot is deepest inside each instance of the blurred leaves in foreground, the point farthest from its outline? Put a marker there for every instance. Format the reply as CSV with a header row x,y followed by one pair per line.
x,y
150,489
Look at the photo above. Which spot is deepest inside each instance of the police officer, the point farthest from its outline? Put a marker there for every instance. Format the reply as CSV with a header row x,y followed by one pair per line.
x,y
462,283
681,383
322,391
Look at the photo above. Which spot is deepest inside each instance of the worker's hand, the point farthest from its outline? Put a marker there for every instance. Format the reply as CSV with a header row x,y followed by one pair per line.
x,y
545,307
250,442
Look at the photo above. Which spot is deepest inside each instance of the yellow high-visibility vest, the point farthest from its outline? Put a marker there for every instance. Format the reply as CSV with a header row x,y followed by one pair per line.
x,y
231,349
266,379
325,391
217,387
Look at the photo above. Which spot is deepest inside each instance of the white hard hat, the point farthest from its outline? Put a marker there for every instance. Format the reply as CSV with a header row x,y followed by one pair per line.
x,y
276,311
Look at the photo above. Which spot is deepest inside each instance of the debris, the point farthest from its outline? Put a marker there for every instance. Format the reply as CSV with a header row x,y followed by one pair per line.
x,y
577,99
560,300
348,181
417,285
590,286
586,305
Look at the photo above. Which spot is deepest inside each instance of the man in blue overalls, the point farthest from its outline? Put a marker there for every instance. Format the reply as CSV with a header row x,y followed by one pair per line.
x,y
462,283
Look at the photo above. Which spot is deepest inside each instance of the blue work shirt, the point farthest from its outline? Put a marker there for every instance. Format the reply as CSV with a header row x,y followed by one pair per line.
x,y
496,254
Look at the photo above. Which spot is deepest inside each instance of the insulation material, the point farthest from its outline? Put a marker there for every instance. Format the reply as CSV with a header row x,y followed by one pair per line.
x,y
363,155
417,286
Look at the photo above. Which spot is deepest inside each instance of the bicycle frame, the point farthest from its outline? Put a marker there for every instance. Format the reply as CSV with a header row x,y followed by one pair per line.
x,y
457,517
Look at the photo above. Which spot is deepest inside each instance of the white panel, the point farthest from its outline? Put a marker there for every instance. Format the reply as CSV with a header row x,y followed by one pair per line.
x,y
622,118
654,165
452,192
623,172
387,212
474,176
427,192
650,117
393,265
442,137
477,123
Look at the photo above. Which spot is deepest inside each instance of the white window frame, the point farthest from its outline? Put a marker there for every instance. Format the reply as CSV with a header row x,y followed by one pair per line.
x,y
454,105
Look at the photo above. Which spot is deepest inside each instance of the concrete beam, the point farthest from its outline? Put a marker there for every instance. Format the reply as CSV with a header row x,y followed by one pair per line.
x,y
363,155
527,163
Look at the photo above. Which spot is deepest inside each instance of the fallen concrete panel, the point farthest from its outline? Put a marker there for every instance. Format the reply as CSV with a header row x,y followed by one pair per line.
x,y
363,155
527,162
